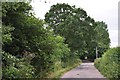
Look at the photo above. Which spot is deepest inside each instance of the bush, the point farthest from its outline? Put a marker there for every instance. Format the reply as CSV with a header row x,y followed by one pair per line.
x,y
109,63
97,62
14,67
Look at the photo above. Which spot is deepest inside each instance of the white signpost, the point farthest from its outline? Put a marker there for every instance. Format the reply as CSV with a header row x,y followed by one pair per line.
x,y
96,53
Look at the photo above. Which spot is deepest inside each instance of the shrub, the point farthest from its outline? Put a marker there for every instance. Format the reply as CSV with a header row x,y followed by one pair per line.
x,y
109,63
14,67
97,62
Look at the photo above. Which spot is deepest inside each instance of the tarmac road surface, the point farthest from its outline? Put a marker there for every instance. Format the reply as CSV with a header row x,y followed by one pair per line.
x,y
86,71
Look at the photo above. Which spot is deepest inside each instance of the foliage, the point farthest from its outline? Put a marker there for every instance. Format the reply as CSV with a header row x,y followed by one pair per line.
x,y
34,47
102,37
80,31
14,67
71,23
97,62
15,14
6,31
109,64
30,47
101,40
59,71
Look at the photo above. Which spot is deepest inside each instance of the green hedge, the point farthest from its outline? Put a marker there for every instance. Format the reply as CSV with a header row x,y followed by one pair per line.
x,y
109,64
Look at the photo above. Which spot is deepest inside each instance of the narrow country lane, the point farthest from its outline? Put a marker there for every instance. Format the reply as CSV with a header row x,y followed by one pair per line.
x,y
85,70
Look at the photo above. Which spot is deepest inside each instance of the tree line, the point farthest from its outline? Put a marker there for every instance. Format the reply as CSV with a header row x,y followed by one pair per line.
x,y
32,47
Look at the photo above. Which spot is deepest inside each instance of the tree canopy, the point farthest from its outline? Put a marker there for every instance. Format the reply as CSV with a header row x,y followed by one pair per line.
x,y
80,31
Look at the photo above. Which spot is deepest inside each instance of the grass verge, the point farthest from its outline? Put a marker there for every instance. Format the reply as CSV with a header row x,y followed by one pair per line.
x,y
60,72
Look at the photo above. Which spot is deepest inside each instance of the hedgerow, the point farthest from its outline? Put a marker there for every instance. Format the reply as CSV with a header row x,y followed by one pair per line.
x,y
109,64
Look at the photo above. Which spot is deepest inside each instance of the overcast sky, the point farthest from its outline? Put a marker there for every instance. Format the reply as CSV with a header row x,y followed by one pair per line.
x,y
100,10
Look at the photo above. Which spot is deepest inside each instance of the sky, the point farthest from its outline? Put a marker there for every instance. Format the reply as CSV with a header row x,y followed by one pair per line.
x,y
100,10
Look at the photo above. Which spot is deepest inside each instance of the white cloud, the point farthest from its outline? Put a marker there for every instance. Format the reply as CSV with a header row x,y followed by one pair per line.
x,y
100,10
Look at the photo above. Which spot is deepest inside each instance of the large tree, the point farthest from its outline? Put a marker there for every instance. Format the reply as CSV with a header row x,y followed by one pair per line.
x,y
72,23
81,32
